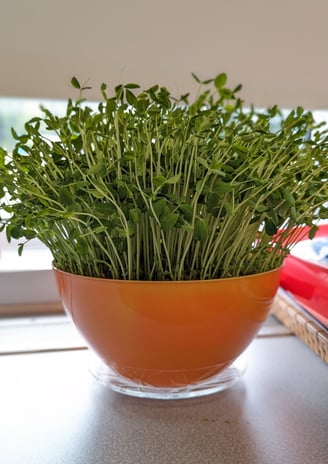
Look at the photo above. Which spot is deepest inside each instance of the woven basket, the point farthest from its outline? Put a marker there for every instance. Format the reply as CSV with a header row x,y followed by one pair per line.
x,y
301,324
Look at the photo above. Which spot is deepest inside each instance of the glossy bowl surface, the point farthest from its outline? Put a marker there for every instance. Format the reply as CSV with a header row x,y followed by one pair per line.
x,y
168,334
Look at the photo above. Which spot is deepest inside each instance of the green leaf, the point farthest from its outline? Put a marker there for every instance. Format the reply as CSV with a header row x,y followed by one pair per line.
x,y
213,201
132,86
97,168
201,229
260,208
313,231
288,196
222,187
159,206
20,248
299,111
99,230
15,232
104,209
135,215
130,97
75,83
199,187
142,105
187,211
196,78
270,226
14,134
82,246
96,193
65,197
29,234
168,221
174,179
225,93
229,208
240,149
203,162
293,213
220,81
188,228
123,233
129,155
159,181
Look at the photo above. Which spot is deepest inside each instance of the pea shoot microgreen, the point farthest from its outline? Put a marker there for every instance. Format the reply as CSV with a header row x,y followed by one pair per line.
x,y
147,186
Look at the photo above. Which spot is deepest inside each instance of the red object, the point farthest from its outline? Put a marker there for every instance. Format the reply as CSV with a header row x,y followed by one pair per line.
x,y
308,282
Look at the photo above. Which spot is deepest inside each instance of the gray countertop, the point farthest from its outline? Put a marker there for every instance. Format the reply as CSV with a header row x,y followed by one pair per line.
x,y
52,411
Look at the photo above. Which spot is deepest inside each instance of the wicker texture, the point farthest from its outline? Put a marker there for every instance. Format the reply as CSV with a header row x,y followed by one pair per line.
x,y
302,325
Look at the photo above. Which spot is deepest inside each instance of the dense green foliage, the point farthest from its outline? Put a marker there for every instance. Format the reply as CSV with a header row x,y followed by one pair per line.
x,y
150,187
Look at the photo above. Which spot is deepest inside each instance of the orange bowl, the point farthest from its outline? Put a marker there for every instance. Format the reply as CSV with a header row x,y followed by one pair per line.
x,y
168,334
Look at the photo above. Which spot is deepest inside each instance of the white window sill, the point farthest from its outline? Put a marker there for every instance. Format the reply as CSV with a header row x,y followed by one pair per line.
x,y
58,333
38,335
27,283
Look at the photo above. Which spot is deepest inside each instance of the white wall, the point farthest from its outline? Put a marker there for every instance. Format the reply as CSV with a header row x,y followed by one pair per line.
x,y
276,48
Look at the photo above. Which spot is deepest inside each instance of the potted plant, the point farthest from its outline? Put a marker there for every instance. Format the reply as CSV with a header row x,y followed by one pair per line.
x,y
168,221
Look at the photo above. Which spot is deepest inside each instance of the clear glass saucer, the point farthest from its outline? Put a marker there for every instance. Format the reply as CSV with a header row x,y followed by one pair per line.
x,y
221,381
